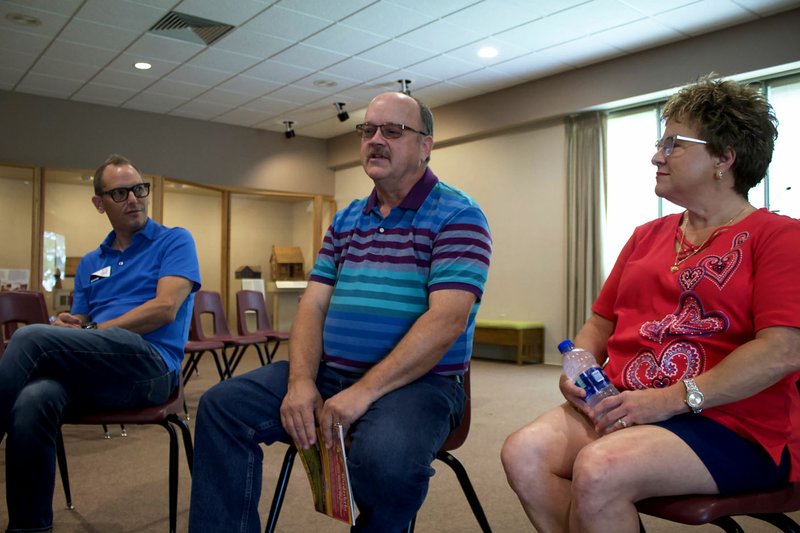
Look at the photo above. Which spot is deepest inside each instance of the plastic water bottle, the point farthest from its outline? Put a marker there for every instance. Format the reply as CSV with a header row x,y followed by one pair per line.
x,y
582,369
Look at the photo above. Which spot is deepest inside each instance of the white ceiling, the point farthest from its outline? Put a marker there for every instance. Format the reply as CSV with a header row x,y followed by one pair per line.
x,y
292,59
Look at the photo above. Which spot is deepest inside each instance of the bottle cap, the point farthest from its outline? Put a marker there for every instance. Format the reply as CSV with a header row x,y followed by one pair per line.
x,y
565,346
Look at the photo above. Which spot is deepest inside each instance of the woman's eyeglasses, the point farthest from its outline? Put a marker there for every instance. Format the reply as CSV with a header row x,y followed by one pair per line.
x,y
120,194
668,143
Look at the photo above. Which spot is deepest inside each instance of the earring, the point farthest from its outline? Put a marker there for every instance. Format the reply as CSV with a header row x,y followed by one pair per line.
x,y
718,176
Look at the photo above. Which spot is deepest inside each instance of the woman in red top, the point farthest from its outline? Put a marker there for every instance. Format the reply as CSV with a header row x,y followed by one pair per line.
x,y
700,324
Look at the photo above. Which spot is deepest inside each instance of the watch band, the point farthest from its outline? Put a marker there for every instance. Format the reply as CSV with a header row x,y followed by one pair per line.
x,y
694,396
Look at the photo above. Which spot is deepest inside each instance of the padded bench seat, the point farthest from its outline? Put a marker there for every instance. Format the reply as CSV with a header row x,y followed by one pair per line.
x,y
526,337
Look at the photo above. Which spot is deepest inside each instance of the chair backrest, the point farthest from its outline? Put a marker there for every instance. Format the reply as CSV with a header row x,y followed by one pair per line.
x,y
208,303
459,435
251,301
20,308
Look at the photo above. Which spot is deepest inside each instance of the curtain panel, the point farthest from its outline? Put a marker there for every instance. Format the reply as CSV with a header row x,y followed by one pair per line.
x,y
586,207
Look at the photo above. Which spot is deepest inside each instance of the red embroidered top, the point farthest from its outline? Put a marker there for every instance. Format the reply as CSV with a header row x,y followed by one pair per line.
x,y
674,325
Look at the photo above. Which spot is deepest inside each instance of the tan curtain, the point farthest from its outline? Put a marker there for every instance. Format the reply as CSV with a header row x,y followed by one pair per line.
x,y
586,201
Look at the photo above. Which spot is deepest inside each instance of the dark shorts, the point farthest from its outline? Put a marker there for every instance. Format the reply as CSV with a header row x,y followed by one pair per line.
x,y
736,464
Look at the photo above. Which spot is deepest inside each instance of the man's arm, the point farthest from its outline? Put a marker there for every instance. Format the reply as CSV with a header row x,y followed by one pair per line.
x,y
171,291
302,398
433,333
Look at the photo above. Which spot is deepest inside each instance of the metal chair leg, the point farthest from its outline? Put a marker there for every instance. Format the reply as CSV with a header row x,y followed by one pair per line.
x,y
280,489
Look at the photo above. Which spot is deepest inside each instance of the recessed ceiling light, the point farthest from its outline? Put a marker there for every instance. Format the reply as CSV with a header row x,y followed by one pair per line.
x,y
23,20
487,52
143,65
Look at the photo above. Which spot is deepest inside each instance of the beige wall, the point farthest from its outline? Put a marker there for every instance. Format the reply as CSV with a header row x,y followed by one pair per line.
x,y
16,206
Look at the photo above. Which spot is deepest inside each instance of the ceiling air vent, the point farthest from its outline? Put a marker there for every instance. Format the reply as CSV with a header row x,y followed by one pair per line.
x,y
190,28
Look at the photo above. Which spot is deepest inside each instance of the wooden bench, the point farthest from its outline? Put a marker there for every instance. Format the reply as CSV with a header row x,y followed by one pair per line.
x,y
526,337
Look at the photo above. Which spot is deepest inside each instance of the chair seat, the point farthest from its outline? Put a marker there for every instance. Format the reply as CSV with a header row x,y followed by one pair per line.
x,y
129,415
700,509
201,346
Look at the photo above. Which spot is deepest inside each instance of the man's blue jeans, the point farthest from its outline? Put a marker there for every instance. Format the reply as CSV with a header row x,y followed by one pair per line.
x,y
43,370
391,447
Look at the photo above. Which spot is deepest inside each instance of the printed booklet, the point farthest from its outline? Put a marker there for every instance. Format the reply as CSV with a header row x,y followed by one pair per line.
x,y
329,478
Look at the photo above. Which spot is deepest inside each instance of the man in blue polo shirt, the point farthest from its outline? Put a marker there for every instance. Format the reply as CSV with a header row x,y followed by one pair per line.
x,y
120,346
380,341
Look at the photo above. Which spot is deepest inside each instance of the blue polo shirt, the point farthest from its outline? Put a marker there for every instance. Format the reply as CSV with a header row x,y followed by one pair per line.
x,y
109,282
384,268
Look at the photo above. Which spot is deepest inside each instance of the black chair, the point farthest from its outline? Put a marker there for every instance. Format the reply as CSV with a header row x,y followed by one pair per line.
x,y
253,302
166,415
454,441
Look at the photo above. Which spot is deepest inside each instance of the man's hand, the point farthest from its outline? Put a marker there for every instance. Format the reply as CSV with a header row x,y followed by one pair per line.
x,y
67,320
343,408
298,410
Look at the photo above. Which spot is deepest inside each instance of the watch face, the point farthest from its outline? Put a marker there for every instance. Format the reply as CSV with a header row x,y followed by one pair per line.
x,y
694,399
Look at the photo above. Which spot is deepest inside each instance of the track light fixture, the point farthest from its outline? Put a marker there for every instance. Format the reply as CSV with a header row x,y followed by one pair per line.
x,y
404,86
340,112
289,129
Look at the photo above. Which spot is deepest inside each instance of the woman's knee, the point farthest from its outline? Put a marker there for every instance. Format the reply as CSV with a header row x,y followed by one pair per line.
x,y
598,470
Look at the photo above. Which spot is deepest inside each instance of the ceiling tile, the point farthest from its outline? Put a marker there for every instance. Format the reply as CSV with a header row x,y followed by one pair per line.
x,y
484,80
206,77
233,13
243,117
539,34
648,7
22,42
223,97
62,7
287,24
48,85
695,18
440,37
87,55
396,54
310,57
99,93
440,93
129,78
297,95
98,35
327,10
270,105
489,17
594,16
532,66
359,69
766,7
442,67
9,77
137,17
440,8
322,80
64,69
124,63
199,110
154,103
277,72
252,43
581,52
638,35
505,51
248,86
16,61
51,23
345,39
222,60
178,89
388,19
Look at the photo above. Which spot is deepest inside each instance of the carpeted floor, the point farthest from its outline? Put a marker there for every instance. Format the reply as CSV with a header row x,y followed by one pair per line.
x,y
120,484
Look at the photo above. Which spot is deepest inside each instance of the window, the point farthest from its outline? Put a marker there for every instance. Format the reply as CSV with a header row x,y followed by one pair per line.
x,y
630,200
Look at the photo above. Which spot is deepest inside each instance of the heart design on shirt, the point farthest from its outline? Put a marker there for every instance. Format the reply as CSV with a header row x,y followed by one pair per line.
x,y
690,319
720,269
677,361
690,277
740,238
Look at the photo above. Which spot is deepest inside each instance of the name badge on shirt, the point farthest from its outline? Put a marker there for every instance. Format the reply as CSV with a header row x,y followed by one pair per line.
x,y
100,274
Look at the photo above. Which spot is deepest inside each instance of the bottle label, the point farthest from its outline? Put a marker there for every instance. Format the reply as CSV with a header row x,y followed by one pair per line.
x,y
592,381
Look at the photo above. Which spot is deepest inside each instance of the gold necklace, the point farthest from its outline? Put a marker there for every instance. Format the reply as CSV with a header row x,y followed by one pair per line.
x,y
674,267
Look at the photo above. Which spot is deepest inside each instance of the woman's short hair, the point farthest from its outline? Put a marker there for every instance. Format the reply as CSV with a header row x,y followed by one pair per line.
x,y
113,160
729,114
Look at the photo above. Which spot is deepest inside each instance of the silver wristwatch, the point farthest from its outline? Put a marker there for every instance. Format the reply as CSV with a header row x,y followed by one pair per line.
x,y
694,398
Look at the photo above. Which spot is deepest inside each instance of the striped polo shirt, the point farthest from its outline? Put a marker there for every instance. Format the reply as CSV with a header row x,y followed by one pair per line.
x,y
383,269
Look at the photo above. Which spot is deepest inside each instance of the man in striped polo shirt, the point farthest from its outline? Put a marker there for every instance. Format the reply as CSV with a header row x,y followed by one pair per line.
x,y
380,341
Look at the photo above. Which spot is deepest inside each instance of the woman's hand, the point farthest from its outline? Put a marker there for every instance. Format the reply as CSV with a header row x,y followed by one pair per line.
x,y
632,407
574,395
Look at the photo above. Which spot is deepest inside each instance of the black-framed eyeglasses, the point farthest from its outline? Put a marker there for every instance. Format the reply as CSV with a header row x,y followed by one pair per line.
x,y
388,130
668,143
120,194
